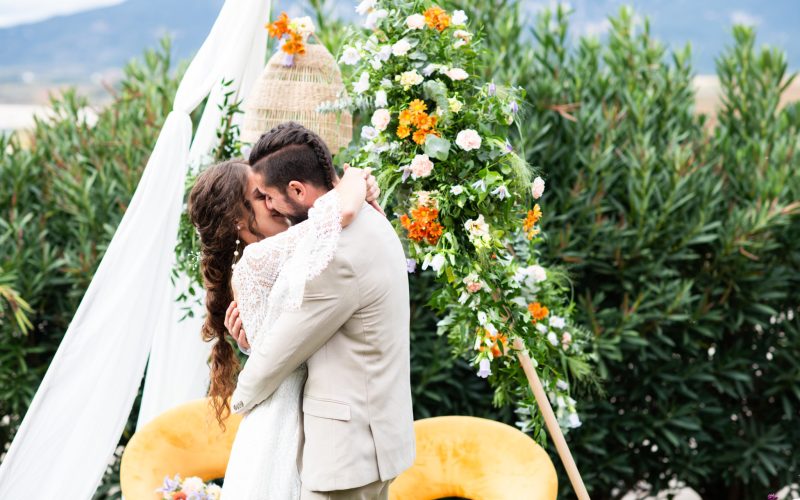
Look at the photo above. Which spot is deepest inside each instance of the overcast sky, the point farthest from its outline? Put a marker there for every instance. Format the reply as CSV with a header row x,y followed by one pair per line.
x,y
26,11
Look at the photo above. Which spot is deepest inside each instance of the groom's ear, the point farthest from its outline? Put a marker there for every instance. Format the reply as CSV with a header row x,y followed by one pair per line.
x,y
296,190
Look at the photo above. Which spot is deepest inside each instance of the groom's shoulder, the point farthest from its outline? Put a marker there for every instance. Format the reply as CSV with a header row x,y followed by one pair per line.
x,y
369,230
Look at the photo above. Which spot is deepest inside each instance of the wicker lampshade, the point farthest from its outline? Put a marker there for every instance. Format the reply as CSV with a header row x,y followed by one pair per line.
x,y
293,93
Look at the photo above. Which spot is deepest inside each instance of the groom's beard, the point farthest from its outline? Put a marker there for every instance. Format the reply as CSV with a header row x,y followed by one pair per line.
x,y
298,213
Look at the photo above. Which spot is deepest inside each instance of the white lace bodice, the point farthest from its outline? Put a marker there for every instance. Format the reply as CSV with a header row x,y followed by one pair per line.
x,y
271,275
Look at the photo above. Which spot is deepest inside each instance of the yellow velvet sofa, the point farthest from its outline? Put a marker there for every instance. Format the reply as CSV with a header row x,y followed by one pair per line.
x,y
463,457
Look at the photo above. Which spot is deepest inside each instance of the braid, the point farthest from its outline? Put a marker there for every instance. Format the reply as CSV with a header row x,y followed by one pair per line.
x,y
292,152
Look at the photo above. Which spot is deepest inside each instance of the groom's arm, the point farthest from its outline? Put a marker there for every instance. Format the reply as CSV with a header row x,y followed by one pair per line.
x,y
329,301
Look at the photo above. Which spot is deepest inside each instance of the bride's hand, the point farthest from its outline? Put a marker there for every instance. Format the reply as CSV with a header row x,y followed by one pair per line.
x,y
373,190
233,323
353,191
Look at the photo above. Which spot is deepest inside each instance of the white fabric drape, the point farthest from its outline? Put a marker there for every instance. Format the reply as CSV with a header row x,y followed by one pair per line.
x,y
77,416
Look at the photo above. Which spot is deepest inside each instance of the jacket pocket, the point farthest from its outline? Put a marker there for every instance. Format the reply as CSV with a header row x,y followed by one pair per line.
x,y
325,408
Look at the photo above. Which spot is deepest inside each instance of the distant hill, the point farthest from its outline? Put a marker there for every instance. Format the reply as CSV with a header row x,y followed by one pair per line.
x,y
72,48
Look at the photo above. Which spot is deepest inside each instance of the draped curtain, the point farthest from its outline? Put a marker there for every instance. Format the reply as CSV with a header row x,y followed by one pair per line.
x,y
69,434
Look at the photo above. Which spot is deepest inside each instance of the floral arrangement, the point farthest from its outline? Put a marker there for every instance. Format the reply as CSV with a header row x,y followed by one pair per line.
x,y
292,33
440,140
191,488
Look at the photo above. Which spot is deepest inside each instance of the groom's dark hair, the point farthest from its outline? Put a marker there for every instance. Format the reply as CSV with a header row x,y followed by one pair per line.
x,y
291,152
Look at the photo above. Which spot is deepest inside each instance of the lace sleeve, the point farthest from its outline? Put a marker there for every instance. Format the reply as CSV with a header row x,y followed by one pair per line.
x,y
271,274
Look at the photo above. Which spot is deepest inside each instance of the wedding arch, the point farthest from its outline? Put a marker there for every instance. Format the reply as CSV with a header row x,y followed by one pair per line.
x,y
129,318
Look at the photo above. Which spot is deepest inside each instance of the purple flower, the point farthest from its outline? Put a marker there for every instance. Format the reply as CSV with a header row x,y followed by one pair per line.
x,y
485,369
514,106
492,88
509,147
170,485
772,496
288,60
411,265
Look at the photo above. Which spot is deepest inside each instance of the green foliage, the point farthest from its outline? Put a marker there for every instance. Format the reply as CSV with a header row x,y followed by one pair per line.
x,y
680,245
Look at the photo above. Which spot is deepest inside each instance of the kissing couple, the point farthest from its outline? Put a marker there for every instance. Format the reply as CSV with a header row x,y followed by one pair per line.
x,y
305,272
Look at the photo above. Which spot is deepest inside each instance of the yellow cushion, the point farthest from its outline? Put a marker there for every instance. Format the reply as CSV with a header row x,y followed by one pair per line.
x,y
478,459
185,440
465,457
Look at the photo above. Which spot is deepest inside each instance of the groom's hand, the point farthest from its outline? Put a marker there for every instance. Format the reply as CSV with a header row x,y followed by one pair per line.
x,y
234,325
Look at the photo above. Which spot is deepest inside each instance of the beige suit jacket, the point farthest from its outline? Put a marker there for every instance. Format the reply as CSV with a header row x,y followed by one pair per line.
x,y
353,330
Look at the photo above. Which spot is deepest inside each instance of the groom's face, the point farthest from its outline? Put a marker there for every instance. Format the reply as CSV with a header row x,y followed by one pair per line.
x,y
268,222
293,203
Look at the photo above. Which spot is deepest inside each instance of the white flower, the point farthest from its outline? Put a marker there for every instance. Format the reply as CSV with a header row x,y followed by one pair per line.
x,y
459,18
501,192
464,37
534,273
557,322
561,402
574,421
362,85
454,104
380,99
381,118
376,64
562,385
421,166
537,188
374,18
425,199
456,190
541,327
384,53
409,78
436,262
492,331
401,48
566,339
365,6
214,491
480,184
485,368
192,485
468,140
477,228
456,74
368,133
552,338
386,83
303,25
430,69
415,21
350,56
482,318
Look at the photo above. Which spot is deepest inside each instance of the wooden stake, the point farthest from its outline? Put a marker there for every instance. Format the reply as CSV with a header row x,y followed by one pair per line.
x,y
550,421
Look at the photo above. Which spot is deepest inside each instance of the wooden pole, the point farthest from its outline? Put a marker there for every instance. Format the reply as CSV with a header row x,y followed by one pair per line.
x,y
550,421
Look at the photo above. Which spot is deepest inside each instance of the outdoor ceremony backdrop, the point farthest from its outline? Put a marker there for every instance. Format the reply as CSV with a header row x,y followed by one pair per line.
x,y
681,242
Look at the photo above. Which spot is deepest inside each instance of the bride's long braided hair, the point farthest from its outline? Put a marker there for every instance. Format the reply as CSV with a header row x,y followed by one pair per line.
x,y
217,201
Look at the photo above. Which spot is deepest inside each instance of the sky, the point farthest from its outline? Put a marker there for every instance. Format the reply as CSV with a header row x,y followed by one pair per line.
x,y
13,12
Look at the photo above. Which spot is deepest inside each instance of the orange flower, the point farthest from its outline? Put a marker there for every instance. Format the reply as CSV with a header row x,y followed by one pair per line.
x,y
437,18
532,218
280,27
538,311
417,106
424,225
179,495
403,131
294,45
497,339
406,117
419,136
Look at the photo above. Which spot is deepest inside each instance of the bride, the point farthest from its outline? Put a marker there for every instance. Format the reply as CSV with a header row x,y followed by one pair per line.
x,y
263,461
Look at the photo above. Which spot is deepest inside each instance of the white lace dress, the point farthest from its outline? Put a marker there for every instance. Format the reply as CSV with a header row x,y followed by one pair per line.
x,y
270,278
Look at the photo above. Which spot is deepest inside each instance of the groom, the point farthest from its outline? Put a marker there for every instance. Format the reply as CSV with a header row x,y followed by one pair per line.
x,y
352,329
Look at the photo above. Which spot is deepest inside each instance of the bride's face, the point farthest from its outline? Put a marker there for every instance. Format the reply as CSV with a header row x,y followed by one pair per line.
x,y
268,222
